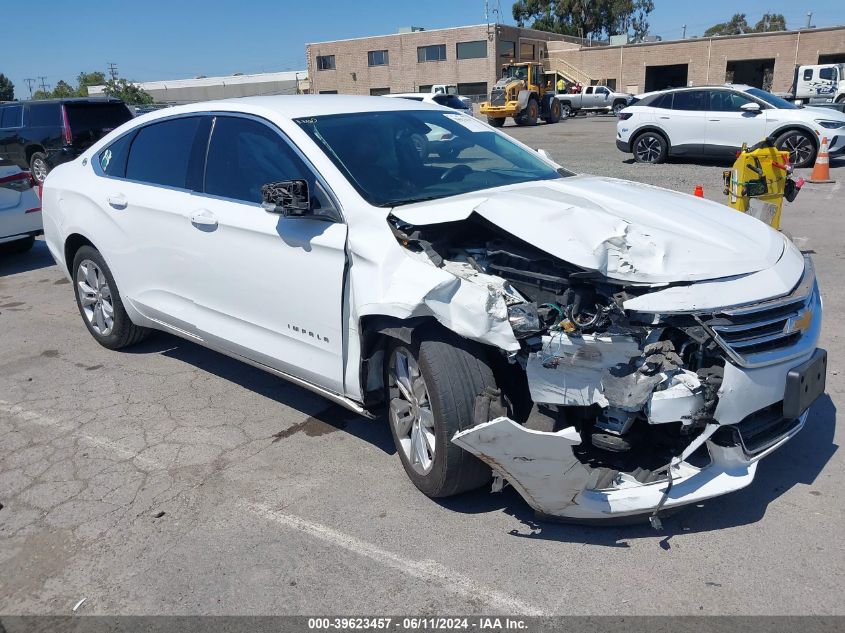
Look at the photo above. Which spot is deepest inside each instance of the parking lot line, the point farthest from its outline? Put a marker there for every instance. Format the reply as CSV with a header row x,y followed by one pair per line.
x,y
427,570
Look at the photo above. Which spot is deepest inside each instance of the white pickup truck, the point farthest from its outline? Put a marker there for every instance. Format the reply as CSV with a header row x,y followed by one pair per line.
x,y
819,83
593,98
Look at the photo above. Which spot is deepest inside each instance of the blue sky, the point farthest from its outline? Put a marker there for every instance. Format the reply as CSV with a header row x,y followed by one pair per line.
x,y
158,39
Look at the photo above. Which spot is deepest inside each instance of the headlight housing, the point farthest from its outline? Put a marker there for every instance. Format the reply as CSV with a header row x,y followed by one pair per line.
x,y
830,125
524,319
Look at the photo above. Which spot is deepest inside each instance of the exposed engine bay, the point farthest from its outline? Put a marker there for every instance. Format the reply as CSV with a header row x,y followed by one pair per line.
x,y
632,394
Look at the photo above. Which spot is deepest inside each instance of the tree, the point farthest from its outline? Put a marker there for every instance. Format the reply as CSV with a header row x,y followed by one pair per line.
x,y
770,22
42,94
83,80
583,18
63,90
127,91
7,88
736,26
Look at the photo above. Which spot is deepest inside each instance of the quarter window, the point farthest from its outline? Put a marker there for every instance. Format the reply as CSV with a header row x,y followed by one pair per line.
x,y
11,116
471,50
377,58
161,152
325,62
434,53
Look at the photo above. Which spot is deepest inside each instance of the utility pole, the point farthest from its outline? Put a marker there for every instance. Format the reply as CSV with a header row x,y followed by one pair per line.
x,y
43,85
809,18
113,70
29,82
684,36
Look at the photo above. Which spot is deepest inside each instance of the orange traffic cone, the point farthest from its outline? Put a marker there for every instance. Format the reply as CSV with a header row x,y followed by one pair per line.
x,y
699,191
821,170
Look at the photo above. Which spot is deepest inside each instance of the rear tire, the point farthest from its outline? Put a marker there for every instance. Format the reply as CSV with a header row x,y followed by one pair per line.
x,y
618,107
531,113
447,372
553,116
99,302
38,167
565,110
496,121
650,147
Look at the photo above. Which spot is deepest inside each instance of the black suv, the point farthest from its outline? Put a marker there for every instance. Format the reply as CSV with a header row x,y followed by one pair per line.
x,y
38,135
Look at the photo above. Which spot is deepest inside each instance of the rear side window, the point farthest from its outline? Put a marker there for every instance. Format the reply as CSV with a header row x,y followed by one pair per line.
x,y
44,115
243,155
691,100
161,152
11,116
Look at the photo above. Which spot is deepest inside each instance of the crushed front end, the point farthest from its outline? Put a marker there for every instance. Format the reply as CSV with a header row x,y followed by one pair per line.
x,y
621,400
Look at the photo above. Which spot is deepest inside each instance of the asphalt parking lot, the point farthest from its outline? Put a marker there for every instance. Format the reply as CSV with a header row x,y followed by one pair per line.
x,y
171,480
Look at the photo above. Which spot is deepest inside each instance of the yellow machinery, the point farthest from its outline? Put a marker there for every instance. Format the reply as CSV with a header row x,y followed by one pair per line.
x,y
523,93
760,180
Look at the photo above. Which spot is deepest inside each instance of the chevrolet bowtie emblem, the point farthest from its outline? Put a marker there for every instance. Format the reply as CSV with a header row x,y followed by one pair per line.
x,y
801,322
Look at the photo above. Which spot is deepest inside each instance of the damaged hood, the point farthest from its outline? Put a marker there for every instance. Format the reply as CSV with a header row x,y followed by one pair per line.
x,y
627,231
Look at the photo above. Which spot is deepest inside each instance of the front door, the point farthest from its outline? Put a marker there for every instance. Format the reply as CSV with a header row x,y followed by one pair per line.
x,y
269,287
729,126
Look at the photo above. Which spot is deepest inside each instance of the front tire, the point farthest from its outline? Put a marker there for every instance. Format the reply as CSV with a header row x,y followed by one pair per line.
x,y
801,148
496,121
39,167
432,385
99,302
531,113
650,147
618,107
553,115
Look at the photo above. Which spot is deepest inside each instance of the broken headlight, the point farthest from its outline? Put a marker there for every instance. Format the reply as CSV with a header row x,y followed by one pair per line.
x,y
524,319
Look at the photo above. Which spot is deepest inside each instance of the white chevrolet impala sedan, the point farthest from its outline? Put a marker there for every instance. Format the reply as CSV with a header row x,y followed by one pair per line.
x,y
608,348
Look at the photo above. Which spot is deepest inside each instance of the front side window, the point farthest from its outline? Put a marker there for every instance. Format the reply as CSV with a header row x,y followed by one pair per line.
x,y
691,100
11,116
377,58
828,74
434,53
244,155
724,101
471,50
161,152
325,62
399,157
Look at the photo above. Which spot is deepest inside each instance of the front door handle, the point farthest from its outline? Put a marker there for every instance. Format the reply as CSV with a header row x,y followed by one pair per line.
x,y
714,120
117,201
203,219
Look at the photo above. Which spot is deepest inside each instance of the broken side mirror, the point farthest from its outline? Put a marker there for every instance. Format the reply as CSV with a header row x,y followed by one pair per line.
x,y
289,198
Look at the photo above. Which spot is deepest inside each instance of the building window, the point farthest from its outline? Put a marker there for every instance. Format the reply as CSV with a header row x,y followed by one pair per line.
x,y
471,50
377,92
425,88
325,62
527,51
377,58
434,53
473,89
328,92
611,84
507,50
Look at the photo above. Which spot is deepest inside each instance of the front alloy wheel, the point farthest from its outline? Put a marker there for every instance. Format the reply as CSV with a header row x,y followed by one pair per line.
x,y
800,146
410,411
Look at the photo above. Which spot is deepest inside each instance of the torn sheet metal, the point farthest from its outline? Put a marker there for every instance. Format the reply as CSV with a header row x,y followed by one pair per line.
x,y
626,231
682,398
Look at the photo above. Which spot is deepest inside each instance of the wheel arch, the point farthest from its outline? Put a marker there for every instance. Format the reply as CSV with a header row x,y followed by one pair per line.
x,y
31,149
790,127
73,243
650,128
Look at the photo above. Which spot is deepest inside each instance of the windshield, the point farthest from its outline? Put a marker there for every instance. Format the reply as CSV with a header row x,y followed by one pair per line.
x,y
517,72
771,99
395,158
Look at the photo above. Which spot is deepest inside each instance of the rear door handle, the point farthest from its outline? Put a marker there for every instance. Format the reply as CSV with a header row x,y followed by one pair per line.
x,y
203,218
117,201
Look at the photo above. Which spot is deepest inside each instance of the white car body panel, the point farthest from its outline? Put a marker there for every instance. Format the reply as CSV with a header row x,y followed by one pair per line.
x,y
20,210
290,294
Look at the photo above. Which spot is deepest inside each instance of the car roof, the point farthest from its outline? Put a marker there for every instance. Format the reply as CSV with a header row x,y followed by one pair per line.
x,y
296,106
405,95
67,100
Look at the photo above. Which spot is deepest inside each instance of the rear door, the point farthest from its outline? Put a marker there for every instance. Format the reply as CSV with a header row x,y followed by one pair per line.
x,y
270,287
150,175
729,126
686,122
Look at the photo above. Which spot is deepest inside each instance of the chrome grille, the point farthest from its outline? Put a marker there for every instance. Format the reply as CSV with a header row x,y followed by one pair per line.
x,y
497,97
770,331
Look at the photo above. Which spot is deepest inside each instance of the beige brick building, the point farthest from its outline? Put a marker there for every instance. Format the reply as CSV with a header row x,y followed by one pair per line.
x,y
413,60
766,60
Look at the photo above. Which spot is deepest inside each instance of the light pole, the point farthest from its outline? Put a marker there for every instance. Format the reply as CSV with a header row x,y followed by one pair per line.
x,y
684,36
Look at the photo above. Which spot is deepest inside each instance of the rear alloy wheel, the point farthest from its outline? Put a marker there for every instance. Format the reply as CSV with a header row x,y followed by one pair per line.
x,y
565,111
38,167
650,147
801,148
617,108
99,302
432,385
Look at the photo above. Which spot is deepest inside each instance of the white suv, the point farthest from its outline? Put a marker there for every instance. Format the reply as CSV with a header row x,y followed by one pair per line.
x,y
590,340
714,121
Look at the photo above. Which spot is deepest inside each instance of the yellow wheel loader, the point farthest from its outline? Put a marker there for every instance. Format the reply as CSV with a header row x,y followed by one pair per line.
x,y
522,94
